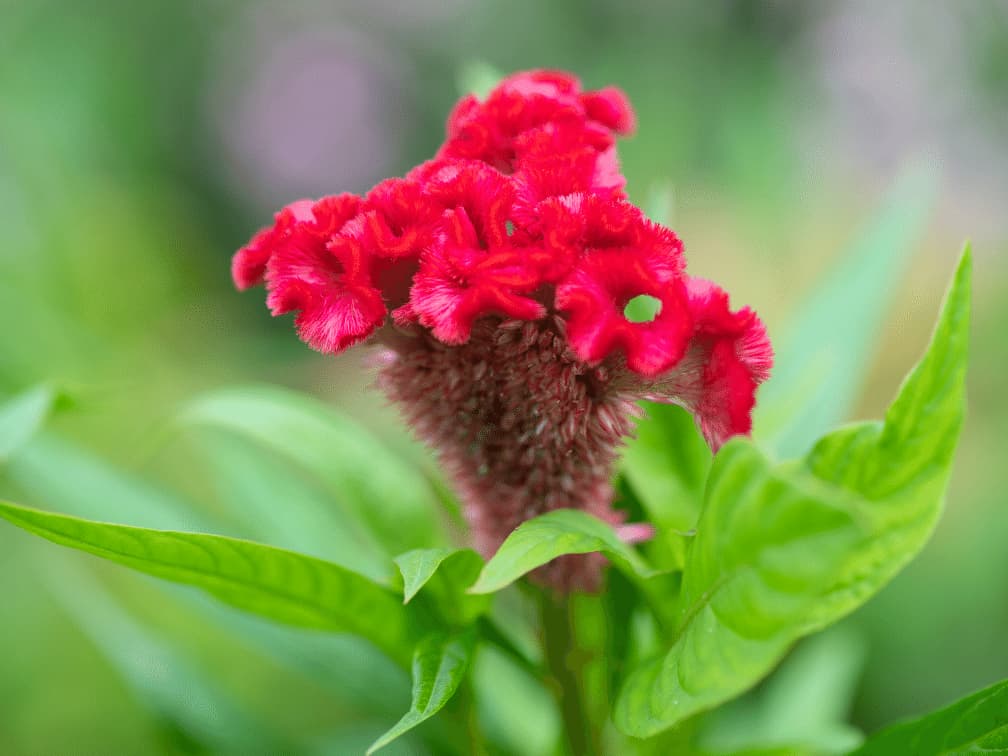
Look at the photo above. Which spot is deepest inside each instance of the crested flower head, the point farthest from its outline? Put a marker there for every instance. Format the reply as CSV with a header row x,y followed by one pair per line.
x,y
496,276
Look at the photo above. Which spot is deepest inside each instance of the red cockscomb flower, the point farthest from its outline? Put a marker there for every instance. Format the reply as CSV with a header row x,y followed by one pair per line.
x,y
506,263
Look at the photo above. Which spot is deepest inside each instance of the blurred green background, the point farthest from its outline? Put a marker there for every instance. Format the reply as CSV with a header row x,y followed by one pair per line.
x,y
142,143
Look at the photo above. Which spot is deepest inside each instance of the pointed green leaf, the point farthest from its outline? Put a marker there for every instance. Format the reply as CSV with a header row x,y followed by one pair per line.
x,y
281,585
783,550
347,666
824,357
440,663
444,575
386,493
22,416
975,724
541,539
418,566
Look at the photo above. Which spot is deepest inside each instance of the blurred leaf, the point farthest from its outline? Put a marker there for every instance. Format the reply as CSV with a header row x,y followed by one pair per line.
x,y
281,585
418,566
541,539
269,499
805,703
157,671
22,416
445,575
823,358
90,487
784,550
347,666
975,724
388,494
666,465
477,78
440,663
516,711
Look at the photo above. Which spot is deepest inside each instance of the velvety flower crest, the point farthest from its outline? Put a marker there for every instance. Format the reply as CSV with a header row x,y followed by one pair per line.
x,y
496,276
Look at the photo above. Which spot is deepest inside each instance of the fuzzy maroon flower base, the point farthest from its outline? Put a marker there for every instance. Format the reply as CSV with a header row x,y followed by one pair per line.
x,y
496,277
519,423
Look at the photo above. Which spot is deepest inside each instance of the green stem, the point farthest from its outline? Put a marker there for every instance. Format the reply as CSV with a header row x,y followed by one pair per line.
x,y
582,737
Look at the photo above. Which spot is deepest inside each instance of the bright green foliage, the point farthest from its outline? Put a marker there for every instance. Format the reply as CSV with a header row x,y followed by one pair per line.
x,y
445,574
775,551
418,566
157,669
666,465
803,707
269,499
563,531
823,359
359,676
282,585
383,491
440,664
975,724
785,549
22,415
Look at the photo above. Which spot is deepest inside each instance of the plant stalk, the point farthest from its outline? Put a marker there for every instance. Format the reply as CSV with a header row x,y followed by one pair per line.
x,y
582,736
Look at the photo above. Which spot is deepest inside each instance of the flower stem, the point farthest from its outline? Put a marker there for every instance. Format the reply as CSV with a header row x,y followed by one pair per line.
x,y
582,736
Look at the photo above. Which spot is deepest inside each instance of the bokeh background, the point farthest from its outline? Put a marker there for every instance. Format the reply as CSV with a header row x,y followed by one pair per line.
x,y
142,143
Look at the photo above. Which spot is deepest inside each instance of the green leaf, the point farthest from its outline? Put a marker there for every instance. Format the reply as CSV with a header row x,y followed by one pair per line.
x,y
440,663
666,465
477,78
418,566
975,724
563,531
783,550
22,416
822,360
160,672
805,705
281,585
248,479
516,711
444,574
388,494
347,666
75,481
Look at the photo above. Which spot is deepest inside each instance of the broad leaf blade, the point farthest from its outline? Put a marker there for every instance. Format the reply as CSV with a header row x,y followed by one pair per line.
x,y
975,724
281,585
539,540
440,663
783,550
383,491
822,360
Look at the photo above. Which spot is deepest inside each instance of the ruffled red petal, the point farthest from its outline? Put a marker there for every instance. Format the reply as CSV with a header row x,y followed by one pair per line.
x,y
595,294
729,356
248,266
